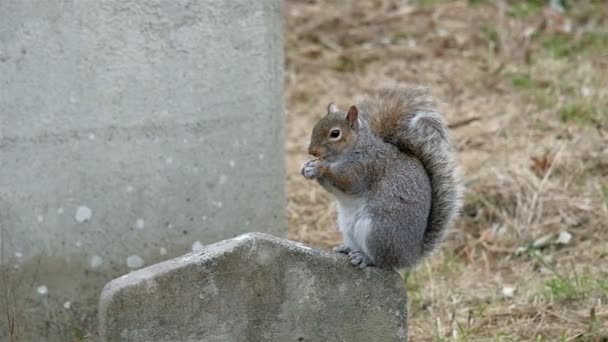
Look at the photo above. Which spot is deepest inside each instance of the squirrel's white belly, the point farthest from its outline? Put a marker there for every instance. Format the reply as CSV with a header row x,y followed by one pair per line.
x,y
354,222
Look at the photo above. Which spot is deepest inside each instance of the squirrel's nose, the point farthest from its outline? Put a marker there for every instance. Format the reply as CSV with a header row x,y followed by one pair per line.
x,y
313,151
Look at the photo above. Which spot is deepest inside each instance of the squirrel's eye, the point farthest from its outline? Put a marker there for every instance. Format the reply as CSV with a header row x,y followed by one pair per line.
x,y
335,133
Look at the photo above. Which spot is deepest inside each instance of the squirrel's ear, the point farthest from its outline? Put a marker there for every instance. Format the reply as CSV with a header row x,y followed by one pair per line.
x,y
332,108
353,117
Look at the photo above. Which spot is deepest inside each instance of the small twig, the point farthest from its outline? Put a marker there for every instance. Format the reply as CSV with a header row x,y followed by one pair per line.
x,y
464,122
576,336
541,187
497,249
542,320
566,319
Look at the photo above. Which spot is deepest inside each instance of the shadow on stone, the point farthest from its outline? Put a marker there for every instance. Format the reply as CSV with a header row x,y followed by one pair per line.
x,y
255,287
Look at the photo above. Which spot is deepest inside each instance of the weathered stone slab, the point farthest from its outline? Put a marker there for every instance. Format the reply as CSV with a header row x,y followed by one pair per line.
x,y
130,132
255,287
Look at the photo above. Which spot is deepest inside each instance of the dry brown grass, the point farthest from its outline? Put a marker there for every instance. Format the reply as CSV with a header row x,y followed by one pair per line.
x,y
535,161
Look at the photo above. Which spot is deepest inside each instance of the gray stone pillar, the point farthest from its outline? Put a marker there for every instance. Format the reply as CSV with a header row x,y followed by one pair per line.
x,y
130,132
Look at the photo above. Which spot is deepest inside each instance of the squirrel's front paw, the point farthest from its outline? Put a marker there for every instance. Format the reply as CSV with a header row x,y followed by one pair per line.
x,y
310,169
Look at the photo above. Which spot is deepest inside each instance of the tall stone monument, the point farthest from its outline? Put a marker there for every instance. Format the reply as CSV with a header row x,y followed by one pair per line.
x,y
130,132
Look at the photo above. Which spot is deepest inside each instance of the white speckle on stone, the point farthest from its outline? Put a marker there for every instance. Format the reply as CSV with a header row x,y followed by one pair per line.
x,y
134,261
195,169
96,261
91,136
247,223
169,160
204,218
140,223
563,238
163,251
60,211
18,255
42,290
223,179
261,156
197,246
67,305
40,218
218,204
231,163
185,141
124,276
201,139
73,99
83,214
169,226
78,243
508,291
129,188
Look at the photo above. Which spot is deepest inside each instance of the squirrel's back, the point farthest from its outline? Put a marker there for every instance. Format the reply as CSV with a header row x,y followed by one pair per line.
x,y
408,118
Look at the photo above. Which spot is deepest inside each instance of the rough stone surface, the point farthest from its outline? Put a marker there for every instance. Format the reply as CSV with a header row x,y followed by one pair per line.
x,y
130,132
255,287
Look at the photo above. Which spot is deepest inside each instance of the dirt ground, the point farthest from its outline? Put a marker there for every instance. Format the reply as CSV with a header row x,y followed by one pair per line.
x,y
524,86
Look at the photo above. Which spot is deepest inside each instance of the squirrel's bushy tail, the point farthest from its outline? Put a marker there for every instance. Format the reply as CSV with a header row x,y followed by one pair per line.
x,y
408,118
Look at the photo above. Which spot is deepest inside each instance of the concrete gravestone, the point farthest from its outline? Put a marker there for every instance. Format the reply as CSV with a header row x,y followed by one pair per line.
x,y
255,287
130,132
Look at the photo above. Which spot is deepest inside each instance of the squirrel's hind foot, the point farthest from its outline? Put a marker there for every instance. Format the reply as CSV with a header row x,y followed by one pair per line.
x,y
359,259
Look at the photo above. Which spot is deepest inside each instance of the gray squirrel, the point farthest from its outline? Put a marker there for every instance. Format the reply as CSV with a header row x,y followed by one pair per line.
x,y
391,166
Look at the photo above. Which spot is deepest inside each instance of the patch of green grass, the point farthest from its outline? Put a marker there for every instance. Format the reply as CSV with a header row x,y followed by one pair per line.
x,y
477,2
559,46
562,288
575,287
535,90
490,33
79,335
593,41
523,81
602,285
581,114
429,3
526,8
563,46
